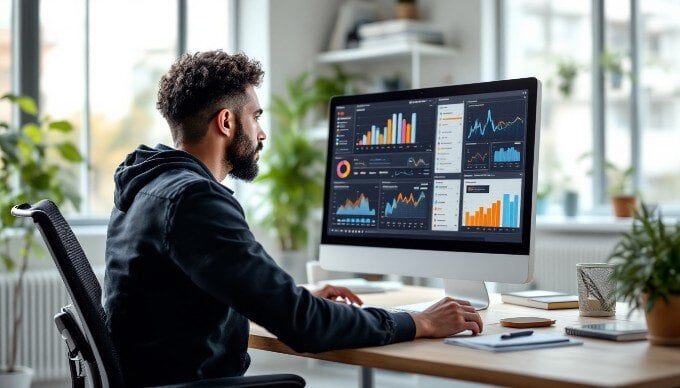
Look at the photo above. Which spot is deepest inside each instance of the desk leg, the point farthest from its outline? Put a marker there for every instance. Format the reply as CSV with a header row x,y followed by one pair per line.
x,y
366,377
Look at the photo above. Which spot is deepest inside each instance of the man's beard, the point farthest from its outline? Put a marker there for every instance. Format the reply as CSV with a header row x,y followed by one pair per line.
x,y
240,154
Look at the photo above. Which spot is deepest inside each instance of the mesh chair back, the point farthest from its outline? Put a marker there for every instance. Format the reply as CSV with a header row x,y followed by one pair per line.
x,y
81,283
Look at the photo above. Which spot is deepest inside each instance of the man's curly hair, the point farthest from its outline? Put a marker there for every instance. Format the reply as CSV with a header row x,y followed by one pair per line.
x,y
197,86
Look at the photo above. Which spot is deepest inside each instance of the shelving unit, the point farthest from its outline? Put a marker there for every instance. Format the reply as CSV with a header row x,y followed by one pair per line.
x,y
414,51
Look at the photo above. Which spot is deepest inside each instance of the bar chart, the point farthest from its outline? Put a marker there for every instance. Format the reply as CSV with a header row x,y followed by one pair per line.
x,y
492,203
397,130
507,156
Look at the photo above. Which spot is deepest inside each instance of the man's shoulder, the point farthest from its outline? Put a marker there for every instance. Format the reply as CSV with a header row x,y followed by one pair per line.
x,y
178,183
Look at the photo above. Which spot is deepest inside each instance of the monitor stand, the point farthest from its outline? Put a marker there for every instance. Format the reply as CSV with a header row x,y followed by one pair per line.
x,y
471,290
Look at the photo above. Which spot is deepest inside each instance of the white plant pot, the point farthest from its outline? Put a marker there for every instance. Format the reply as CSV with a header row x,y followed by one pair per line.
x,y
20,378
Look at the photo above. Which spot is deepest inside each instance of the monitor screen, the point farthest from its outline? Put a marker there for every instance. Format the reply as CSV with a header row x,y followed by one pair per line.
x,y
438,169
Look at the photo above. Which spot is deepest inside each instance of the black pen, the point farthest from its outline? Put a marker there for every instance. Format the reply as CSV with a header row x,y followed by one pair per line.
x,y
517,334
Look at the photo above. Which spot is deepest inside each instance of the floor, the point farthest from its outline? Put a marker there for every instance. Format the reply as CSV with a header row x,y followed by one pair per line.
x,y
323,374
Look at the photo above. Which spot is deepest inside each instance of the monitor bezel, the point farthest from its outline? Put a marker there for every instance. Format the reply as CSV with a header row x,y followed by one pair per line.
x,y
512,248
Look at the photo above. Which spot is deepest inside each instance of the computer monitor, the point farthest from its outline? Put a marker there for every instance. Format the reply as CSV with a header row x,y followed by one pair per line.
x,y
436,182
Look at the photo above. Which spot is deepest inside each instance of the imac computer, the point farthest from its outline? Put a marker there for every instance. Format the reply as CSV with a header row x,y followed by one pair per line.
x,y
436,182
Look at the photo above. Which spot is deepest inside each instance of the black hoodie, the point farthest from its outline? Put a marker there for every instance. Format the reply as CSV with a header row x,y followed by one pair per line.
x,y
184,274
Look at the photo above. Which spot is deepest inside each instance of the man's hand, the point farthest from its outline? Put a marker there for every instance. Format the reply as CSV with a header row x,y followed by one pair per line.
x,y
337,294
447,317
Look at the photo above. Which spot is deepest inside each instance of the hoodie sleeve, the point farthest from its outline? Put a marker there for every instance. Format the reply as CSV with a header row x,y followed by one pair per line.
x,y
209,239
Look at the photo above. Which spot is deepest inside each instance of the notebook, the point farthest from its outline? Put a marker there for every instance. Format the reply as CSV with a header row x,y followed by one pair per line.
x,y
494,342
615,331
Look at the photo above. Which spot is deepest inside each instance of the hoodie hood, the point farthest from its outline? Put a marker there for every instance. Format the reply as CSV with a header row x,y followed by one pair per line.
x,y
145,164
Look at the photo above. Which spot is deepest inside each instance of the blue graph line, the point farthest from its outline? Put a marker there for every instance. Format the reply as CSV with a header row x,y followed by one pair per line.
x,y
502,125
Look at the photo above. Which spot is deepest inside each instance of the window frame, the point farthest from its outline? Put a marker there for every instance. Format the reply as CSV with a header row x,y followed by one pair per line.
x,y
598,23
25,76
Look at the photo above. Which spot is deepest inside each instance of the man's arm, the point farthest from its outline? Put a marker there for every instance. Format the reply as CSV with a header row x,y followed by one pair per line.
x,y
444,318
447,317
209,240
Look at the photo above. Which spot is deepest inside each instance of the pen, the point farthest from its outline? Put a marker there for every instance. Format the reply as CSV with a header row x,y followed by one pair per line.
x,y
517,334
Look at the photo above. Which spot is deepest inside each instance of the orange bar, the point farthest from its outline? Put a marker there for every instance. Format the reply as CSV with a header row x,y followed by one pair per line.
x,y
408,133
467,218
368,138
389,131
498,213
381,139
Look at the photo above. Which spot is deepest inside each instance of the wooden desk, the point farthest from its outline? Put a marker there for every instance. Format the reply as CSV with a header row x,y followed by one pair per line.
x,y
596,362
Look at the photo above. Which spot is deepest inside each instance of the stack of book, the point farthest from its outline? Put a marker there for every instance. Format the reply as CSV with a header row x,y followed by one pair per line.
x,y
398,32
547,300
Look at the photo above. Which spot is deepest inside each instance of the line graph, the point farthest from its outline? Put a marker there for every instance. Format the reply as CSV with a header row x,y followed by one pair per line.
x,y
476,156
406,206
496,121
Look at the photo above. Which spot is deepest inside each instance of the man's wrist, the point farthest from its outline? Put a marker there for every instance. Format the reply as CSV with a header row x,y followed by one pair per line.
x,y
421,324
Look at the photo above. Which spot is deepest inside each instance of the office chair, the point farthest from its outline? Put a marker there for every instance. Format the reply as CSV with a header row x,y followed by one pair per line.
x,y
92,354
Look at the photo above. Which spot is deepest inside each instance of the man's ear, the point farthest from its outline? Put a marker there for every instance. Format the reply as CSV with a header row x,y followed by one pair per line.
x,y
225,121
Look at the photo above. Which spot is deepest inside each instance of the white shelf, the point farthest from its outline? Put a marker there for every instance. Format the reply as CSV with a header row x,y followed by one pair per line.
x,y
389,51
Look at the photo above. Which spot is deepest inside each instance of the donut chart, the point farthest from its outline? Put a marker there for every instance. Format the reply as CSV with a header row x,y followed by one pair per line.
x,y
343,169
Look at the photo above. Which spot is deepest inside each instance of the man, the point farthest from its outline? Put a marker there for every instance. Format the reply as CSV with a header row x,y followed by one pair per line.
x,y
184,274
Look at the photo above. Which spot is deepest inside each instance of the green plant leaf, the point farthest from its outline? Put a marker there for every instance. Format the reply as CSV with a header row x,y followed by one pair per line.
x,y
33,132
61,126
7,261
69,152
26,104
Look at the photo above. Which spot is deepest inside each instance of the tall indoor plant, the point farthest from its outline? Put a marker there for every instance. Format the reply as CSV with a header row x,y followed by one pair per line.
x,y
647,270
31,169
293,161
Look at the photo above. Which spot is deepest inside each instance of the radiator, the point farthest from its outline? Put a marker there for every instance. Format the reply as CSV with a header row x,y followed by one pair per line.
x,y
557,255
40,345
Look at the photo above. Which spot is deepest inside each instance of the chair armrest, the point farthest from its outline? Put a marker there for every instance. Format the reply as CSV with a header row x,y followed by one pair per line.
x,y
274,381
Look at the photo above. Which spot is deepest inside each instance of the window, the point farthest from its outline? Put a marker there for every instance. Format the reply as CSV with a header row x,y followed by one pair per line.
x,y
100,63
551,41
5,55
62,65
660,100
210,25
127,60
542,37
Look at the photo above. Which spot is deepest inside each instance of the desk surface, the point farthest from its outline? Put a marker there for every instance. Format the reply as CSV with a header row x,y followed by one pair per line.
x,y
596,362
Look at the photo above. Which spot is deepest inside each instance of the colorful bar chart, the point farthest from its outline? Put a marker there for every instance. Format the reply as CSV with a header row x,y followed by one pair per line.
x,y
491,203
501,214
397,130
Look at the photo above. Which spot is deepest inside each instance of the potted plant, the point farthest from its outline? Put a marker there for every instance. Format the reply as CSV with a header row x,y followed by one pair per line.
x,y
567,70
32,165
612,64
621,189
293,162
647,270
